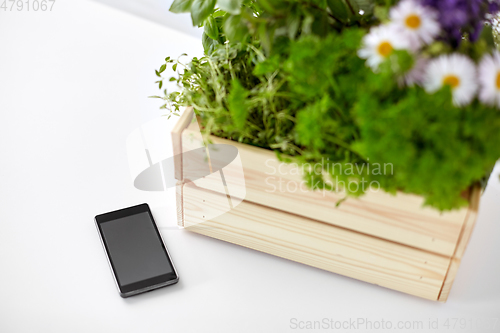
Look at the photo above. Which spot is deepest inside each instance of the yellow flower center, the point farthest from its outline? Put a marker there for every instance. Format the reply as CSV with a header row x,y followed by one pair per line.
x,y
452,80
413,21
498,81
385,49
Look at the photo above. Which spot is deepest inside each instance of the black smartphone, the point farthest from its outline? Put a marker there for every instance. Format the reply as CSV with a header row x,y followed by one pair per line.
x,y
136,252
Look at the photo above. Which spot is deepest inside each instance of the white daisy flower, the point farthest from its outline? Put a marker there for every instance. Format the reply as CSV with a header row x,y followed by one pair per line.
x,y
456,71
379,44
418,23
489,79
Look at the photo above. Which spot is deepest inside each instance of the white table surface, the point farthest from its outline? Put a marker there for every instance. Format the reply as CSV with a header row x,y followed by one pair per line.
x,y
73,85
157,11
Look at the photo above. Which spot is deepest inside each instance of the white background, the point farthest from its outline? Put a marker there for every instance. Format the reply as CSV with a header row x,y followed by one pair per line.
x,y
73,84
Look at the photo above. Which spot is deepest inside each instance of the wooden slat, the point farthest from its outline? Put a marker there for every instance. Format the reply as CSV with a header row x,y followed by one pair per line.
x,y
461,244
449,279
179,203
176,133
315,243
469,223
400,218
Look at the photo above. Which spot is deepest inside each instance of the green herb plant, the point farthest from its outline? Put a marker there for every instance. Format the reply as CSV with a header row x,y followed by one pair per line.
x,y
285,75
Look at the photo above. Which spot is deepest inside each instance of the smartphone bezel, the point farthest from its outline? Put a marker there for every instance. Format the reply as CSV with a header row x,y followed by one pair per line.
x,y
144,285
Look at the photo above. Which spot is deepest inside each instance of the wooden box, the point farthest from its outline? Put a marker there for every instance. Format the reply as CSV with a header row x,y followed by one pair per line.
x,y
391,241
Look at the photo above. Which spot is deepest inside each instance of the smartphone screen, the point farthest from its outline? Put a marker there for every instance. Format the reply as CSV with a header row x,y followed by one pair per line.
x,y
136,253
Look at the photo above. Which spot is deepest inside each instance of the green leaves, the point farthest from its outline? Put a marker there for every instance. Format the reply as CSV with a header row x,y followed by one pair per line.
x,y
285,75
181,6
267,66
267,5
350,11
209,44
366,6
211,29
310,122
200,10
230,6
234,28
266,36
238,104
293,24
381,12
399,63
339,10
487,35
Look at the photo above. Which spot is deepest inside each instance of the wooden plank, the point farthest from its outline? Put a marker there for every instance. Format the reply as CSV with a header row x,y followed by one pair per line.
x,y
315,243
470,221
400,218
461,244
176,133
179,203
449,279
